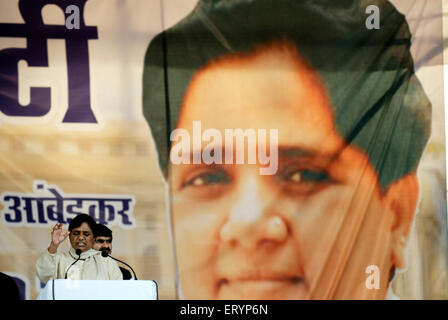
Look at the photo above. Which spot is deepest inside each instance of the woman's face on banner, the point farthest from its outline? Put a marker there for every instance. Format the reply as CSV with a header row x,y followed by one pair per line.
x,y
310,230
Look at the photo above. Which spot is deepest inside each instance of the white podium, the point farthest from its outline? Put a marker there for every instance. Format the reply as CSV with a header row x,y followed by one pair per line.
x,y
62,289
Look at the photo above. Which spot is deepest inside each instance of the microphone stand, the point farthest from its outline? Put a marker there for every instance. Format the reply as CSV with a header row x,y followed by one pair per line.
x,y
78,252
105,254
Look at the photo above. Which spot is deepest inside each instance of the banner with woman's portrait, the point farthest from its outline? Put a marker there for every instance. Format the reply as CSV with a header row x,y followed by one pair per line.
x,y
237,149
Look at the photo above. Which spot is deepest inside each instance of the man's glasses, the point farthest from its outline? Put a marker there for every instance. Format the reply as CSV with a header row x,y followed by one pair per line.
x,y
102,241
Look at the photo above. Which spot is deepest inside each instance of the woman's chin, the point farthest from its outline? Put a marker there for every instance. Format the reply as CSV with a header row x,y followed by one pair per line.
x,y
82,248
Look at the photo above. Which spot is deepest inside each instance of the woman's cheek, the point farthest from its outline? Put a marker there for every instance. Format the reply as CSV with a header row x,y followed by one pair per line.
x,y
196,235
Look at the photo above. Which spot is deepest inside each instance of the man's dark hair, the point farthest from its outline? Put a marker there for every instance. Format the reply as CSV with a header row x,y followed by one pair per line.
x,y
103,231
378,103
80,219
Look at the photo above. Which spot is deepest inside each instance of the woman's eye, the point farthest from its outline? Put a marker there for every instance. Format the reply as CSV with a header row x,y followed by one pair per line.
x,y
295,177
305,176
315,176
208,178
296,180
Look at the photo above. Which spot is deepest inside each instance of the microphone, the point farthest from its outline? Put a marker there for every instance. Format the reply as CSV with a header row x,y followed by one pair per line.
x,y
105,254
78,252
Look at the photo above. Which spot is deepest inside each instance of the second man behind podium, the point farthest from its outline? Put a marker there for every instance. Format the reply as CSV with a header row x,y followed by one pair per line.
x,y
103,242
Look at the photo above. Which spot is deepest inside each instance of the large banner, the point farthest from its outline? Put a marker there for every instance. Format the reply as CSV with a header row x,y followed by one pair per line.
x,y
238,149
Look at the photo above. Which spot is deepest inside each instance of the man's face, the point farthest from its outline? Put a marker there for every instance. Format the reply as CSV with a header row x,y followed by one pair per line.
x,y
82,237
103,244
307,232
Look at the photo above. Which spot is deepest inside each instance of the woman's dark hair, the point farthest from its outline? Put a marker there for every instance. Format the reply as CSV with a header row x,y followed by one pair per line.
x,y
80,219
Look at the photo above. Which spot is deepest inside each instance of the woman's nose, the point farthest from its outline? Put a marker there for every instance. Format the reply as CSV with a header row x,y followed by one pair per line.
x,y
253,218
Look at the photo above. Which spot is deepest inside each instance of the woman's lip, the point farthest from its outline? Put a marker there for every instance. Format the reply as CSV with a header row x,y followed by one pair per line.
x,y
254,279
262,289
